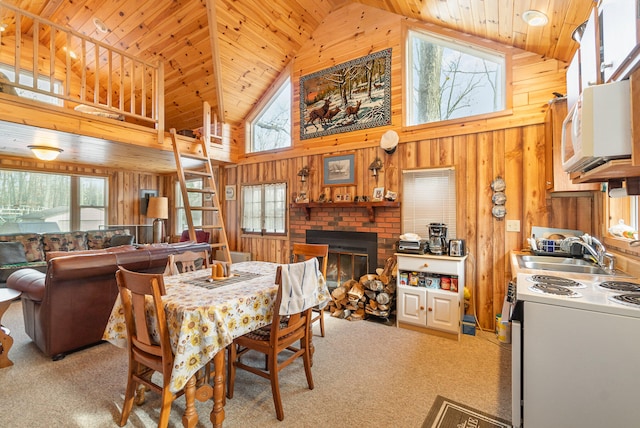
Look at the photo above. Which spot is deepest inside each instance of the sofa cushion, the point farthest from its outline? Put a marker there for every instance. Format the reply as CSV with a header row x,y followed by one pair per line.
x,y
64,241
118,240
97,239
12,253
32,243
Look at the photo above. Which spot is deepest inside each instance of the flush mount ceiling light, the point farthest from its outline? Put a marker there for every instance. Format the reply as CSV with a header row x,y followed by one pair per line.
x,y
3,27
100,26
45,153
535,18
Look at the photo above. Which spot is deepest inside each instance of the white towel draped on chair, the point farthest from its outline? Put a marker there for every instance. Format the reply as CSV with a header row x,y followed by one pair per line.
x,y
300,286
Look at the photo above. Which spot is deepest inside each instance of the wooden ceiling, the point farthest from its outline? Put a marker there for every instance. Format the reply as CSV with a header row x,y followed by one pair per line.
x,y
254,40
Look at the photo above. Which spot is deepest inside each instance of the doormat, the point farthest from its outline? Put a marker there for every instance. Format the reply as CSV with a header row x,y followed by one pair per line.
x,y
446,413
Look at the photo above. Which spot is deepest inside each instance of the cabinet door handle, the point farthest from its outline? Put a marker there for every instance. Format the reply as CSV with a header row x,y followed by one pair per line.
x,y
422,308
426,265
430,309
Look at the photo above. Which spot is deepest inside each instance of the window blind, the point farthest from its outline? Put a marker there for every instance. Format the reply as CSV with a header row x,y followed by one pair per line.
x,y
429,196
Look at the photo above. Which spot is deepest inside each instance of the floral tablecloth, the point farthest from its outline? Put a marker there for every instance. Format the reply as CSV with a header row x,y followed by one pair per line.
x,y
203,321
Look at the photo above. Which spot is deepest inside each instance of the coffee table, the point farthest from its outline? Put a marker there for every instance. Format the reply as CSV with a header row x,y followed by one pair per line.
x,y
6,341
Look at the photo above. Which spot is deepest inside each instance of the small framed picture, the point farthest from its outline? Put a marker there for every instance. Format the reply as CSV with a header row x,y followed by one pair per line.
x,y
378,193
230,192
338,198
346,197
338,170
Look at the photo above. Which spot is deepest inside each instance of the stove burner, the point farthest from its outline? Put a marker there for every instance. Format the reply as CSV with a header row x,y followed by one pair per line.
x,y
558,290
621,286
631,299
556,280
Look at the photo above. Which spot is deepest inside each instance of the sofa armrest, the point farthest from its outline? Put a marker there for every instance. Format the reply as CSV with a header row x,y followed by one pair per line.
x,y
30,282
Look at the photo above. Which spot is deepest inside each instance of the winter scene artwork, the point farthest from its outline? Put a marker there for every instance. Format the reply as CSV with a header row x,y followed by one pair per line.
x,y
347,97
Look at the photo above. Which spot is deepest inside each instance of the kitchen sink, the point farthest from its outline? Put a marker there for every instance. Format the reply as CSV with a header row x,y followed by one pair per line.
x,y
563,264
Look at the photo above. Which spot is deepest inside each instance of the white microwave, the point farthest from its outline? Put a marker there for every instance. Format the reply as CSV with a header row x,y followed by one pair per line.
x,y
598,127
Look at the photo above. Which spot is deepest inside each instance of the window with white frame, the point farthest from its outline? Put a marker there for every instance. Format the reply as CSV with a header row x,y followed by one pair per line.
x,y
450,80
195,200
429,196
25,78
40,202
270,129
264,208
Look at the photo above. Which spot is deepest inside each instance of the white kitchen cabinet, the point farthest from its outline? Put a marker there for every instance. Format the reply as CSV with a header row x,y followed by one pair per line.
x,y
426,307
590,53
620,24
573,80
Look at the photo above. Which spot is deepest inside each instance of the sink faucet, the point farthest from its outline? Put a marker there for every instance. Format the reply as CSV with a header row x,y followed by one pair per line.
x,y
599,253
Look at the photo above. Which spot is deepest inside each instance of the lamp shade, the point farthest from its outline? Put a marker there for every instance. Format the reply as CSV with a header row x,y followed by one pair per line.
x,y
45,153
158,207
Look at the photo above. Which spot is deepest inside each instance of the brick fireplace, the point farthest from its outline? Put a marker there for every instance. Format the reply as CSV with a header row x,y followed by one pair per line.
x,y
343,217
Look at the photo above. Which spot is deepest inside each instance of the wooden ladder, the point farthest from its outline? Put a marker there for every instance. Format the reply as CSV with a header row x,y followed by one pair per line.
x,y
195,154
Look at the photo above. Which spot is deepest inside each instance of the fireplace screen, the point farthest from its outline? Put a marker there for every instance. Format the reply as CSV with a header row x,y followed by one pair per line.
x,y
341,267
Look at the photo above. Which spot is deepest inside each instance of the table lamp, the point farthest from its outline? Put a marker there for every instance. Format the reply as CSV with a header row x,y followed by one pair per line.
x,y
158,208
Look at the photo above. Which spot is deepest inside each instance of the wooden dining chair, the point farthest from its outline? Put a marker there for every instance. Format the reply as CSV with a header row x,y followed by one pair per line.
x,y
303,252
188,261
146,356
280,337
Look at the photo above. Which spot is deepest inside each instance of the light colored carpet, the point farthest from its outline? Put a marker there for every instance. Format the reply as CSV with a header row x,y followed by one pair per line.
x,y
365,374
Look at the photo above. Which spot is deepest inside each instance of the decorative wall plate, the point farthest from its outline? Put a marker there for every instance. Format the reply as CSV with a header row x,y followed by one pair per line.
x,y
498,185
499,211
499,198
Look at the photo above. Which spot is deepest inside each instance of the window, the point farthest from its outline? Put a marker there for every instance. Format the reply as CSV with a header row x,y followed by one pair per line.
x,y
271,128
92,202
44,84
195,200
451,80
37,202
264,208
429,196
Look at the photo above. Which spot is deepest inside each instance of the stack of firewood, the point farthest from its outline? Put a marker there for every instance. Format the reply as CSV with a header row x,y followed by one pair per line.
x,y
372,295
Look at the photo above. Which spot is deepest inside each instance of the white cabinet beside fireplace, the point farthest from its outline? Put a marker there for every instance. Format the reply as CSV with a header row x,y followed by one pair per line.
x,y
433,309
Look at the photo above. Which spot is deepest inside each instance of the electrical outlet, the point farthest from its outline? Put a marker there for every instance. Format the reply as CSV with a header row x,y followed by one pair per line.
x,y
513,225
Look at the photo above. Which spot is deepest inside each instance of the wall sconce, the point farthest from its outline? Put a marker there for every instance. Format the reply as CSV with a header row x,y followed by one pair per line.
x,y
375,166
45,153
303,173
158,208
535,18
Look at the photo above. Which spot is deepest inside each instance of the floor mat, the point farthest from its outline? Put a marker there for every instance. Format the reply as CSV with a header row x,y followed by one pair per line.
x,y
446,413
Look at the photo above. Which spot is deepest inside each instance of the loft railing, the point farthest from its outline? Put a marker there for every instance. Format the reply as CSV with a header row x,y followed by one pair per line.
x,y
49,63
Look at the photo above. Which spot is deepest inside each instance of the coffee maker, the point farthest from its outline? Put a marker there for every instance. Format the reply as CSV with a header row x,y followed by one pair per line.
x,y
437,238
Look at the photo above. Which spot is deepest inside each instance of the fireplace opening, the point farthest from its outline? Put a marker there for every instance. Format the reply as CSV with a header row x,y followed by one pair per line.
x,y
351,254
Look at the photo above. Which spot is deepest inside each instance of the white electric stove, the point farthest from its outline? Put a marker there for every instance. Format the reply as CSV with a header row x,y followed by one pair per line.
x,y
575,351
593,293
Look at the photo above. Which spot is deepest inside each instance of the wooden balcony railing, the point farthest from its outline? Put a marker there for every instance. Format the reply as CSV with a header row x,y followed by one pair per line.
x,y
46,62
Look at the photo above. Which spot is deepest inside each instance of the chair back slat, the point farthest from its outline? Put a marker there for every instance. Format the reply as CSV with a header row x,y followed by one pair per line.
x,y
302,252
189,261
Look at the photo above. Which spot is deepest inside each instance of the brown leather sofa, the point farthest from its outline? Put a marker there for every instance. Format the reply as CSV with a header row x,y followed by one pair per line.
x,y
67,308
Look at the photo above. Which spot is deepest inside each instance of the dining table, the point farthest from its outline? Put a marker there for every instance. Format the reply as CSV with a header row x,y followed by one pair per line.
x,y
204,315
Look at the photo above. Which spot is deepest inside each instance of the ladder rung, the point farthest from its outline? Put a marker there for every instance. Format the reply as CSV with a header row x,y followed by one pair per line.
x,y
196,173
206,227
218,245
210,209
205,191
194,156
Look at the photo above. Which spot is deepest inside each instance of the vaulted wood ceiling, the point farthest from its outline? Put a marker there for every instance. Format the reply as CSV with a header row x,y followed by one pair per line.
x,y
229,52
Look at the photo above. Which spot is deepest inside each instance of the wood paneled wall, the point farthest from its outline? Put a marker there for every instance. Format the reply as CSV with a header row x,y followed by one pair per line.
x,y
510,146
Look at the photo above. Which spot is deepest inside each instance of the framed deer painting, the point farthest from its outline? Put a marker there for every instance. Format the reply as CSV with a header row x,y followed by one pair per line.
x,y
347,97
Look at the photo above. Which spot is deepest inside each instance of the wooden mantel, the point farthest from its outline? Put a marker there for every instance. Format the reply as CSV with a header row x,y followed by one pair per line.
x,y
370,206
